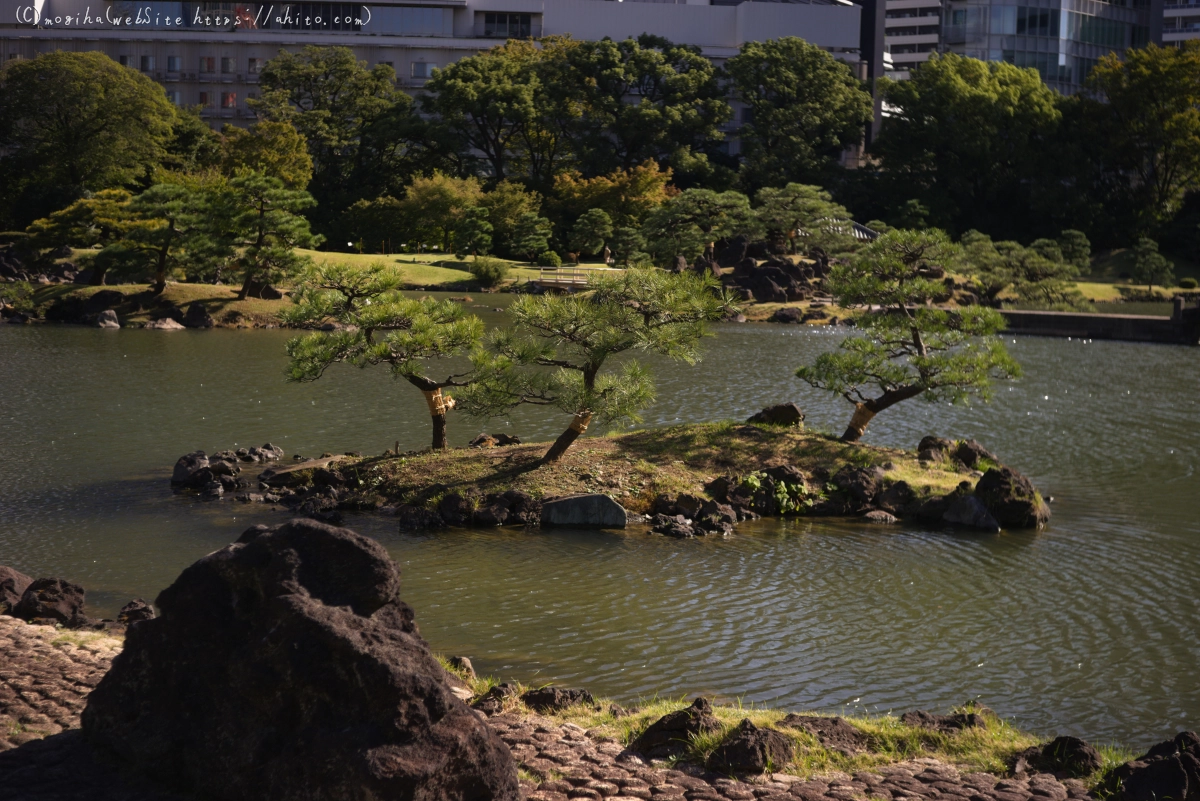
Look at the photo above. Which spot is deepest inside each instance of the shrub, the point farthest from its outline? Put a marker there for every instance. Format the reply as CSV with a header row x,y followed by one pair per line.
x,y
548,258
1188,283
488,271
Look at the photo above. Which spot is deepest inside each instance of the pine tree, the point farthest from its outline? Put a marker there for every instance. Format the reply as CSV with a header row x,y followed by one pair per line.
x,y
908,347
556,353
378,325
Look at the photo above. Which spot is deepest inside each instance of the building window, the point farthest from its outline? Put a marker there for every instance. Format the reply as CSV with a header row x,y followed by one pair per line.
x,y
206,99
254,66
147,63
747,115
124,60
387,64
175,97
208,64
228,99
423,69
228,65
507,26
174,63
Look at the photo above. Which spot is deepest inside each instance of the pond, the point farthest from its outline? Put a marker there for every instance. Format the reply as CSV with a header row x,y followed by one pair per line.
x,y
1089,627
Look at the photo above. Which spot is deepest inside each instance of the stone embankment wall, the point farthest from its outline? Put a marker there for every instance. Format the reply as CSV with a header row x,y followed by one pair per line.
x,y
1181,328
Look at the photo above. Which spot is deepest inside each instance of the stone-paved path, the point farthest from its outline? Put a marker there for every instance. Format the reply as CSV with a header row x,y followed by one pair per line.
x,y
573,766
43,688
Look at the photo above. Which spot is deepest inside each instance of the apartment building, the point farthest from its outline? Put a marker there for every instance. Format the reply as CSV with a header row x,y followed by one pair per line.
x,y
1061,39
912,31
1181,21
210,53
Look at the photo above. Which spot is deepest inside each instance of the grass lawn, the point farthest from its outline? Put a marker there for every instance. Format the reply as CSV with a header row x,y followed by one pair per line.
x,y
426,269
637,467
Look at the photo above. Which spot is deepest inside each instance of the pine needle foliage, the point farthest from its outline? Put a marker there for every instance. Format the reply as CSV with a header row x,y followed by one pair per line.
x,y
374,324
908,347
559,347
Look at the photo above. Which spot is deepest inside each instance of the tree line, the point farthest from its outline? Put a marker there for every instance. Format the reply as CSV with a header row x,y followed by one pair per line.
x,y
529,138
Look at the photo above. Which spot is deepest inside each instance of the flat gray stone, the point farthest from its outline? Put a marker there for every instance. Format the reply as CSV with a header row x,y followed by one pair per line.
x,y
593,511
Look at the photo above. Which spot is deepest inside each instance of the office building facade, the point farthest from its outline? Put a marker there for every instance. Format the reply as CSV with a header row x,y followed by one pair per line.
x,y
209,54
1061,39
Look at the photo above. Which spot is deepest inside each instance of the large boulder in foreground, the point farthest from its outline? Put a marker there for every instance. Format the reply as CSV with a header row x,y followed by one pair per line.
x,y
594,511
1012,499
286,666
1170,771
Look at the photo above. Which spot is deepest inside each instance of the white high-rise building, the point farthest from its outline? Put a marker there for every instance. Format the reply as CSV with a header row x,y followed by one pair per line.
x,y
210,53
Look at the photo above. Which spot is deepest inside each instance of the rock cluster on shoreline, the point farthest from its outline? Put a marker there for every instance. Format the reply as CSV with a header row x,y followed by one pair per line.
x,y
59,602
1000,497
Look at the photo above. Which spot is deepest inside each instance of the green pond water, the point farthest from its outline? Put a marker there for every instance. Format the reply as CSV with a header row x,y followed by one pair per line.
x,y
1089,627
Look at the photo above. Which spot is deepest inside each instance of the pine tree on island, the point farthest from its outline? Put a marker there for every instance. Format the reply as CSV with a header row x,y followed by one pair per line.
x,y
556,353
908,347
375,324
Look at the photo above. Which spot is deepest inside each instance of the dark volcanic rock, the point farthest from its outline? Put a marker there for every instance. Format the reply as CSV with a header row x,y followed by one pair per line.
x,y
969,512
188,466
896,498
834,733
52,599
556,699
860,485
286,666
787,314
197,316
1011,498
750,749
492,702
1068,756
13,584
783,414
455,510
1170,771
972,454
135,611
921,719
417,518
676,526
671,734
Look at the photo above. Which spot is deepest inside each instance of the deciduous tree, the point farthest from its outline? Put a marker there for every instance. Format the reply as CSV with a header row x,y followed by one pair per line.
x,y
805,108
970,139
907,348
1154,95
271,147
72,123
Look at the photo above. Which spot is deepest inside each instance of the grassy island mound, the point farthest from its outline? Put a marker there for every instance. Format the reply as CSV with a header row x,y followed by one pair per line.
x,y
636,468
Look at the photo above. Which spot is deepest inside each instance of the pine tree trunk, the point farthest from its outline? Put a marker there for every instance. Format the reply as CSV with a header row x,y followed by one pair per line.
x,y
438,404
566,438
865,412
439,432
